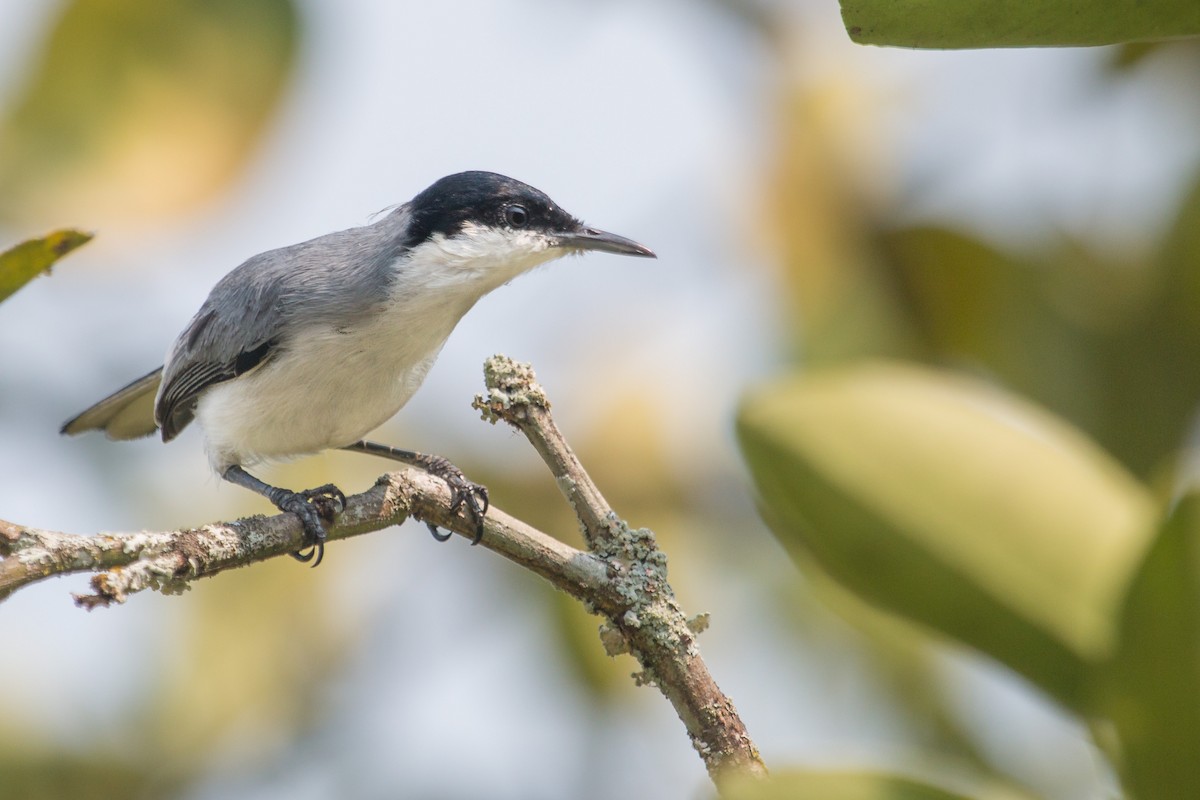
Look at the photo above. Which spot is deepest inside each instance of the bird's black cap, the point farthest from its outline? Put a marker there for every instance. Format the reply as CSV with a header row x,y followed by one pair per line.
x,y
492,200
483,198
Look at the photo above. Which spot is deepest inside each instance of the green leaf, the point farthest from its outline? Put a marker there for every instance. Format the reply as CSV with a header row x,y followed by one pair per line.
x,y
955,505
798,785
137,108
1154,680
22,263
1103,342
1017,23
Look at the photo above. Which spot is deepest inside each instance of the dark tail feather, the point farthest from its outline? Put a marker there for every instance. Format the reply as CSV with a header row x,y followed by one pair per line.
x,y
125,414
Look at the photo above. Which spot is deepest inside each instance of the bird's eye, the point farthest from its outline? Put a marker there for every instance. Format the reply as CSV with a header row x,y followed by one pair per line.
x,y
516,216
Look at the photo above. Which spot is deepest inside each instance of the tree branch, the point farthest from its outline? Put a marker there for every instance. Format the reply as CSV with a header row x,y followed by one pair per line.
x,y
623,577
168,561
646,612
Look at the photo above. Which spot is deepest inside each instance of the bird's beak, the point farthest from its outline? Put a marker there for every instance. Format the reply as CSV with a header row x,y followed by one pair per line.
x,y
592,239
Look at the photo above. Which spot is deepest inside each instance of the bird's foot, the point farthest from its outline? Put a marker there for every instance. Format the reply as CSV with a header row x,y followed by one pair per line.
x,y
315,508
464,494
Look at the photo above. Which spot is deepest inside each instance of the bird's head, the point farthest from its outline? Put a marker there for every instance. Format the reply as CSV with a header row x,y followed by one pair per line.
x,y
493,228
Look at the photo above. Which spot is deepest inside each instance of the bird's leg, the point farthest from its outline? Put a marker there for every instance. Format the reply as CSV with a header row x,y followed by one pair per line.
x,y
306,505
464,493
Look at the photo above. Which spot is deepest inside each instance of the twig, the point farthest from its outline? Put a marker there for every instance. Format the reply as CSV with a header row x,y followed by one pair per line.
x,y
646,613
623,577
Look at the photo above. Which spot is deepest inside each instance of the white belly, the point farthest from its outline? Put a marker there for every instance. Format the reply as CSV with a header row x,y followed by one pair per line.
x,y
326,390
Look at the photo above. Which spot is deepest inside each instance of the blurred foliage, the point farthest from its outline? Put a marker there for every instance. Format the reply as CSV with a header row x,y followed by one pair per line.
x,y
817,222
1016,23
922,494
906,667
951,503
797,785
82,777
1152,689
1090,338
942,500
25,261
140,108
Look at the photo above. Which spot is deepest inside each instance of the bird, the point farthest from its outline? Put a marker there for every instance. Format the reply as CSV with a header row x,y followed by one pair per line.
x,y
312,346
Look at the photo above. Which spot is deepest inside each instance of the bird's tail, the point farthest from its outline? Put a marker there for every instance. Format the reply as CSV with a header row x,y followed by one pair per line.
x,y
127,413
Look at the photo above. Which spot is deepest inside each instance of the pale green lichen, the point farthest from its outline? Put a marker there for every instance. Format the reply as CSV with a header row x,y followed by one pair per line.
x,y
34,557
639,576
510,384
256,538
568,487
137,542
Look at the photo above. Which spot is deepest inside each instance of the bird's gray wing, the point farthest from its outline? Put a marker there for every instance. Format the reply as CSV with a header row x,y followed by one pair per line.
x,y
236,330
331,281
127,413
216,346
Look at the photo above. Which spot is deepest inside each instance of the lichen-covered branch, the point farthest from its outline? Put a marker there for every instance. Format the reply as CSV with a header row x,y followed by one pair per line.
x,y
514,396
127,563
645,611
622,576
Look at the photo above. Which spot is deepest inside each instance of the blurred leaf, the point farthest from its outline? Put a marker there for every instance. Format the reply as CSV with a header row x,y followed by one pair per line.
x,y
797,785
902,658
1046,327
956,505
143,107
1131,55
1109,345
51,776
972,303
1016,23
837,306
1178,257
22,263
1148,385
1154,680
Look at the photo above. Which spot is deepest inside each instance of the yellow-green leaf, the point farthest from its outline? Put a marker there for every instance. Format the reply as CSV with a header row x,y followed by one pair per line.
x,y
1017,23
137,108
956,505
1154,687
801,785
22,263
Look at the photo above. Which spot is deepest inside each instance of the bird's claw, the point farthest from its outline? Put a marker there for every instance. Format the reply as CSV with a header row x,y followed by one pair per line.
x,y
464,494
436,534
314,507
329,499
